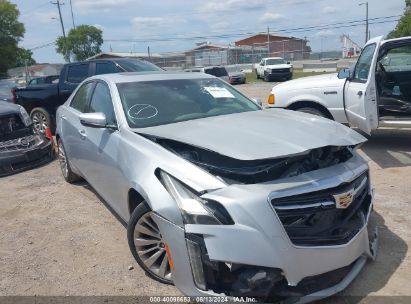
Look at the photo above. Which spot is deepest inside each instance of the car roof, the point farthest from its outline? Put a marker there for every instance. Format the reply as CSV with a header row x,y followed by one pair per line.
x,y
150,76
274,58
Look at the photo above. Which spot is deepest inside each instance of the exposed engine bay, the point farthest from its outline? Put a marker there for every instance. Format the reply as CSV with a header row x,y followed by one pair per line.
x,y
256,171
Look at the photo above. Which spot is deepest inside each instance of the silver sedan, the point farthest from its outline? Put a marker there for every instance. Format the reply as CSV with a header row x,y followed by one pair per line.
x,y
220,196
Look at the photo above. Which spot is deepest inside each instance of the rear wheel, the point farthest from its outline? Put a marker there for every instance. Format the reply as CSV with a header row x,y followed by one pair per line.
x,y
68,175
312,111
147,245
41,120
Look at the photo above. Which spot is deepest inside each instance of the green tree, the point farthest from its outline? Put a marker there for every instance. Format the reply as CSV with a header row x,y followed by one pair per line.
x,y
24,56
11,32
82,42
403,27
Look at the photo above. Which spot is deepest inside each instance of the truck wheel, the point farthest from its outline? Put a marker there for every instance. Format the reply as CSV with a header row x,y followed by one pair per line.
x,y
312,111
68,175
256,74
41,120
147,246
266,77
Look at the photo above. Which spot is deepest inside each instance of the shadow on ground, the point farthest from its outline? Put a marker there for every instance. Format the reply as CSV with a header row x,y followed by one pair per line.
x,y
389,148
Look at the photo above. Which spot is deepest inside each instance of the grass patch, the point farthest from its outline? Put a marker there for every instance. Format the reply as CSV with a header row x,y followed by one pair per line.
x,y
297,73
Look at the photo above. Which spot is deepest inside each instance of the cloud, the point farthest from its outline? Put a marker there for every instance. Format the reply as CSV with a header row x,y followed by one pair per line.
x,y
105,5
232,5
324,33
156,25
330,10
270,17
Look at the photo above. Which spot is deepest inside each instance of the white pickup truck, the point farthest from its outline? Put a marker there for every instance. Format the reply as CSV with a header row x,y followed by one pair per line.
x,y
376,92
274,68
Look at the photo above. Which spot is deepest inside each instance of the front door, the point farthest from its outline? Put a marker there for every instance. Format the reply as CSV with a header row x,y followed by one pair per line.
x,y
360,92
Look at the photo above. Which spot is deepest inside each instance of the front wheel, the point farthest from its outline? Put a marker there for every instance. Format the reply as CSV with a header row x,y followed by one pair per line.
x,y
266,77
147,245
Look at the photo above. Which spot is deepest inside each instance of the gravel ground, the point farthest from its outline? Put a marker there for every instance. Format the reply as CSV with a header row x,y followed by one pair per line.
x,y
60,239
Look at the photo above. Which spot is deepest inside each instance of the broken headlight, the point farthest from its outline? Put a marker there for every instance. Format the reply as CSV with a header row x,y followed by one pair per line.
x,y
194,209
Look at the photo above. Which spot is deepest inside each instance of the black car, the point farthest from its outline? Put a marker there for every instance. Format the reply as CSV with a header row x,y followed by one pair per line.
x,y
20,147
42,100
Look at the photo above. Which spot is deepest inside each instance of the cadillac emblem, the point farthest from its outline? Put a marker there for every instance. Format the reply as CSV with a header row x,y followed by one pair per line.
x,y
343,200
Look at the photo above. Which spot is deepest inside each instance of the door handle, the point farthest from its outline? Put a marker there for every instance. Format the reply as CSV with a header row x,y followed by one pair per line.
x,y
359,93
82,133
63,117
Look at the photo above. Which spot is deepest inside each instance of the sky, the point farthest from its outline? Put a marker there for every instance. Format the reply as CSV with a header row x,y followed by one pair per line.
x,y
149,22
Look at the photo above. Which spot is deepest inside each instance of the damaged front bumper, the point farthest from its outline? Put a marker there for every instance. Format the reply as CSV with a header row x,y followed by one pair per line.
x,y
24,153
257,257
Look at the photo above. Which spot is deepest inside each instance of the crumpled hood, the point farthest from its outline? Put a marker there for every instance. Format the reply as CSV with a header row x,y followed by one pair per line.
x,y
7,108
312,82
258,134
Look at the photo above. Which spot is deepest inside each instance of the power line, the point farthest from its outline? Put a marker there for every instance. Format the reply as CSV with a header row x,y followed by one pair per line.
x,y
62,28
289,30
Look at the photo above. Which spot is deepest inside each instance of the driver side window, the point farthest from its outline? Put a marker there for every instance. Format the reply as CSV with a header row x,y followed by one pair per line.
x,y
101,103
363,66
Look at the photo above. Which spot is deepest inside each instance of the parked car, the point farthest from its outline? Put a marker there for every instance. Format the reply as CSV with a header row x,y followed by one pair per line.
x,y
43,80
20,147
213,202
7,91
42,101
274,68
217,71
236,77
375,93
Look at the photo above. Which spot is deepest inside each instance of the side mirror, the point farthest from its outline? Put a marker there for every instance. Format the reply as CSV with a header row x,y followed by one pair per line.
x,y
93,120
258,101
344,73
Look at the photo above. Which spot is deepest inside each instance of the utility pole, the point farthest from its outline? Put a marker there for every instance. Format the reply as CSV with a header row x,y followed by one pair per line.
x,y
62,28
268,40
366,20
72,15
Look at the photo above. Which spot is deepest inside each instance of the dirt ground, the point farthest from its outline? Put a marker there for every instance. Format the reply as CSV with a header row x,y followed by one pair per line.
x,y
59,239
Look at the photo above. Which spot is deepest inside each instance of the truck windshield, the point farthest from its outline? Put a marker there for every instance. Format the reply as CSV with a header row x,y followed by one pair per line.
x,y
275,61
152,103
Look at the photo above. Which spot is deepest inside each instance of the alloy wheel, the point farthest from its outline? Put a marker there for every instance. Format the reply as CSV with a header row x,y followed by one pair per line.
x,y
63,160
150,247
40,122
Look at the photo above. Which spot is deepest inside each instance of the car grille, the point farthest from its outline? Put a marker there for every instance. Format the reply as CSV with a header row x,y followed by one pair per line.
x,y
313,219
280,70
17,144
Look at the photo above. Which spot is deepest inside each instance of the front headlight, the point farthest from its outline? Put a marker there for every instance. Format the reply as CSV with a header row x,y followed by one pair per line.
x,y
25,117
194,209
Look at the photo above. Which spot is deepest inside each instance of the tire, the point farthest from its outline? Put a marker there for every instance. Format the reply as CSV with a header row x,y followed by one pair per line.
x,y
266,77
256,75
312,111
66,171
146,245
41,120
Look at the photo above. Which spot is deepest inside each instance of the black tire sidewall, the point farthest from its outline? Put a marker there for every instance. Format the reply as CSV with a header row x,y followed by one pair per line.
x,y
71,176
138,212
50,122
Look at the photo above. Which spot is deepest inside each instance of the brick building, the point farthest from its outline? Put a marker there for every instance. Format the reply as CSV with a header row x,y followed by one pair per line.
x,y
290,48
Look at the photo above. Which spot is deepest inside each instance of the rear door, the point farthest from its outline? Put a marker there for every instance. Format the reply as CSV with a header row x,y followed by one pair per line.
x,y
360,92
75,74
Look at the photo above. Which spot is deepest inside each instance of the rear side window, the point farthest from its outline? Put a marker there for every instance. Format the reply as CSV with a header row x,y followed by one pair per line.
x,y
218,72
106,68
82,97
77,73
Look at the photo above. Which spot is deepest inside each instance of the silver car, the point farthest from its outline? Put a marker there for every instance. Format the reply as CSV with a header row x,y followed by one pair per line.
x,y
220,196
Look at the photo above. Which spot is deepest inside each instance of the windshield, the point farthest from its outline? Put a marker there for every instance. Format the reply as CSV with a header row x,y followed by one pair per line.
x,y
275,61
134,65
153,103
217,71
